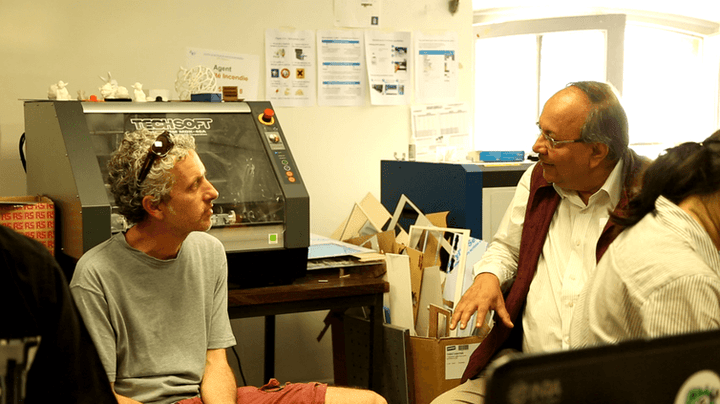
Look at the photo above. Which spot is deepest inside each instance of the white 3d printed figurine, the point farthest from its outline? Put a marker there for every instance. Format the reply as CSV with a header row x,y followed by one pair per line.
x,y
139,93
107,91
122,92
198,80
58,91
110,88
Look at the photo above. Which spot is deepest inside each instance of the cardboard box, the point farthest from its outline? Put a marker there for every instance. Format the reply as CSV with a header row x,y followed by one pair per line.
x,y
435,364
438,364
33,216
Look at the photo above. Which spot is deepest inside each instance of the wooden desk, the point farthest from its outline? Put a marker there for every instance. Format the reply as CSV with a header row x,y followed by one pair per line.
x,y
320,289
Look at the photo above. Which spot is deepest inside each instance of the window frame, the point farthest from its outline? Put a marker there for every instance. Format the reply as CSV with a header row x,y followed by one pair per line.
x,y
612,24
491,23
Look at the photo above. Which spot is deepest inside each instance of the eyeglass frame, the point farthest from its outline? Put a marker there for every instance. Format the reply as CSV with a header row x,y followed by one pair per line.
x,y
553,143
154,152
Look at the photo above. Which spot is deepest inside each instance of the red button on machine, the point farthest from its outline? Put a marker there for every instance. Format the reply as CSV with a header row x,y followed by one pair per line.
x,y
268,115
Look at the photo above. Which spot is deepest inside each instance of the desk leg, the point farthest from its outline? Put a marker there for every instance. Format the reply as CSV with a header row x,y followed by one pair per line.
x,y
269,367
376,344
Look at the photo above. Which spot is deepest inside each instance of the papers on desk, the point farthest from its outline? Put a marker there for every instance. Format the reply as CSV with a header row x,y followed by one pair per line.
x,y
325,252
324,247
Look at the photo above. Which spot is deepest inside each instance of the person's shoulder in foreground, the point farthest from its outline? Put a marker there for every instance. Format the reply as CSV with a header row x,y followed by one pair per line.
x,y
662,275
66,364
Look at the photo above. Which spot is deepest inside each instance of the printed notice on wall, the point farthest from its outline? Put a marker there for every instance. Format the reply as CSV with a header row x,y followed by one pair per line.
x,y
436,68
456,359
441,132
341,68
230,69
388,66
290,67
357,13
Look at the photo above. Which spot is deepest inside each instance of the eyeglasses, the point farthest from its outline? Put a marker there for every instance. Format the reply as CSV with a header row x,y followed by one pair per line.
x,y
160,148
553,143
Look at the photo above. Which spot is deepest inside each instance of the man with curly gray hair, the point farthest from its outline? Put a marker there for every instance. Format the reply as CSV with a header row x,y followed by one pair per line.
x,y
126,168
154,297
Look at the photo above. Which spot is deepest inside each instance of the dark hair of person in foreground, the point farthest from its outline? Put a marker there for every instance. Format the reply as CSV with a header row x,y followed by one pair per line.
x,y
690,168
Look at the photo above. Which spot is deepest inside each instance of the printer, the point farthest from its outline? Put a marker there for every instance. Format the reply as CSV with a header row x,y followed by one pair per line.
x,y
261,215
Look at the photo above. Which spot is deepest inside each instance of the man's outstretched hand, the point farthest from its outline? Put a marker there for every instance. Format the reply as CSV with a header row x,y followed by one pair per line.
x,y
482,296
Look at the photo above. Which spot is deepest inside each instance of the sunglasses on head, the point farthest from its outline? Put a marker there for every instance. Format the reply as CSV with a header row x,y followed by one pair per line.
x,y
160,148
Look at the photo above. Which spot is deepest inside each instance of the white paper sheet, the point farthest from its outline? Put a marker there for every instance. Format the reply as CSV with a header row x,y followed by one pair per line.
x,y
389,66
457,358
231,69
441,132
436,74
325,247
341,68
290,64
357,13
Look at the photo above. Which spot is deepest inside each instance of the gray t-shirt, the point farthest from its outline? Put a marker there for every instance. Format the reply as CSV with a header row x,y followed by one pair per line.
x,y
154,320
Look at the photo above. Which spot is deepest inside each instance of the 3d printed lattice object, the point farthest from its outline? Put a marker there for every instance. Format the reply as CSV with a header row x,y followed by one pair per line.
x,y
197,80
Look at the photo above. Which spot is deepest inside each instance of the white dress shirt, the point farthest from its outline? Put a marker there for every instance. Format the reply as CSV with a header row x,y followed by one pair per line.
x,y
567,259
659,277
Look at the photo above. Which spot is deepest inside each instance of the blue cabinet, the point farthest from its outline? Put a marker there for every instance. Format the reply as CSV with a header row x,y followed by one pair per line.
x,y
464,190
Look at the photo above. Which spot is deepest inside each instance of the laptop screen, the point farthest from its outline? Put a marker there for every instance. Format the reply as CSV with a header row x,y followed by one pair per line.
x,y
677,369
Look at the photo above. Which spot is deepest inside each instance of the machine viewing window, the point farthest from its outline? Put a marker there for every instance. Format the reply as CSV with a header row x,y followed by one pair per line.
x,y
262,213
233,155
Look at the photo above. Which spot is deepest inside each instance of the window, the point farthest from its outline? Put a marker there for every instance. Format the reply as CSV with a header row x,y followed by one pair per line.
x,y
570,56
667,88
519,65
665,94
511,86
506,97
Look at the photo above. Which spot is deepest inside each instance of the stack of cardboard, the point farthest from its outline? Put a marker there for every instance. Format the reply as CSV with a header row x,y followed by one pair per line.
x,y
428,268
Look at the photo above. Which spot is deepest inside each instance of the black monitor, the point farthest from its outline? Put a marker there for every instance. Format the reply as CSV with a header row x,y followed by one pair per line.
x,y
677,369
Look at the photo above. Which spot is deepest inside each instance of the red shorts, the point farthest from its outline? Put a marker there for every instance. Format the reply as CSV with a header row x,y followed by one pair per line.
x,y
274,393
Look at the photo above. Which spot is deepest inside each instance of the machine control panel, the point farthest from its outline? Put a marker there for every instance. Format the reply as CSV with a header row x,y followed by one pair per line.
x,y
281,156
267,117
275,140
284,161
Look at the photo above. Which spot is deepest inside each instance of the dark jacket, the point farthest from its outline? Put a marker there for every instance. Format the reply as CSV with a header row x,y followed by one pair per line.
x,y
36,301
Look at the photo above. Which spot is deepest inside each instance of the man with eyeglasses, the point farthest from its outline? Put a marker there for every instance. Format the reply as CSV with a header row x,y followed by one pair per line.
x,y
154,298
553,233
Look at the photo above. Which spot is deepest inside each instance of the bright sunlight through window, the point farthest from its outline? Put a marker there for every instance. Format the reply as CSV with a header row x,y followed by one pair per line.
x,y
511,86
666,91
506,92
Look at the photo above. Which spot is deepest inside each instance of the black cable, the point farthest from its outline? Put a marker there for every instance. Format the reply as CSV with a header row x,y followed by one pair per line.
x,y
239,366
22,153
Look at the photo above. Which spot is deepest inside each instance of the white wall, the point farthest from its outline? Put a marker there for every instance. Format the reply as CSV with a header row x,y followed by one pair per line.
x,y
338,150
